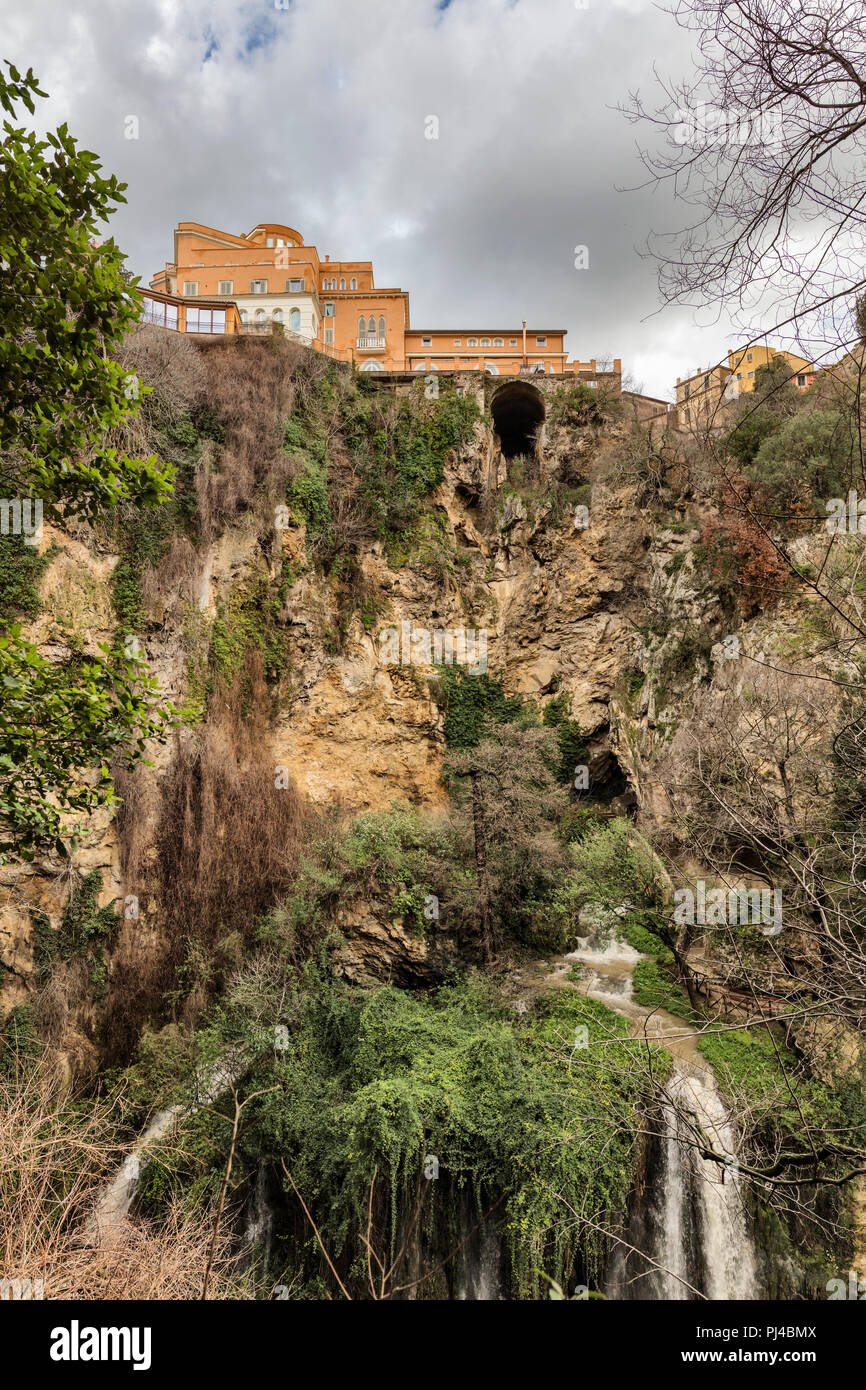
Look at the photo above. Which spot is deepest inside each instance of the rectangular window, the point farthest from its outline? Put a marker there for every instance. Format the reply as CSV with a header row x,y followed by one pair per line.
x,y
541,342
748,357
154,311
329,335
458,342
426,342
190,288
706,382
269,241
739,376
751,374
205,320
227,287
512,342
294,287
258,287
801,381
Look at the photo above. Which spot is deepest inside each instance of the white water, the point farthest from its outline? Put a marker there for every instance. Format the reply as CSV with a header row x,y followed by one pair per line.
x,y
480,1260
114,1202
692,1225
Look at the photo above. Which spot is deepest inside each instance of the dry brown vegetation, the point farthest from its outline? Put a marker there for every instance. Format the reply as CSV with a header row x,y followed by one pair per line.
x,y
251,386
55,1157
228,842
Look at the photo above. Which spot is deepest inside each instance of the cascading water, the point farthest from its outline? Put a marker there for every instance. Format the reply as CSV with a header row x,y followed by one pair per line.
x,y
116,1198
688,1235
259,1224
479,1264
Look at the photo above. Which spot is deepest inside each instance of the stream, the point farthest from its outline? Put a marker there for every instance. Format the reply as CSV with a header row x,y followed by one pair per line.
x,y
688,1234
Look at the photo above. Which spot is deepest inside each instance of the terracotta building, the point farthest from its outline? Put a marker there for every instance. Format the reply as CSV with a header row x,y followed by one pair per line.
x,y
270,277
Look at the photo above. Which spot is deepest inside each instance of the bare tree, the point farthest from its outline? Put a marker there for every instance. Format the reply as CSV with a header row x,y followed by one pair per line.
x,y
766,141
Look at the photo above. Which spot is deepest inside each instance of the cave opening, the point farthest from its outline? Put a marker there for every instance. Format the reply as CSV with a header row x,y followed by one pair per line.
x,y
518,414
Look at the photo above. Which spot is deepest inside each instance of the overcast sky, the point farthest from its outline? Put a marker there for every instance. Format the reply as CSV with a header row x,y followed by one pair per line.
x,y
314,113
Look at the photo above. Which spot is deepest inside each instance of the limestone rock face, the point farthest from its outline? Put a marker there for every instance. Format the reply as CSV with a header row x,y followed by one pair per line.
x,y
556,606
381,948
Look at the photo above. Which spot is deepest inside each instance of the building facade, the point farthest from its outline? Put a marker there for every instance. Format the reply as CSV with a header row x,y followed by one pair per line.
x,y
701,396
743,362
272,278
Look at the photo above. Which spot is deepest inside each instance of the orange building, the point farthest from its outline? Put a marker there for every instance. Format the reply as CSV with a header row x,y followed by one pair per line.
x,y
274,279
501,352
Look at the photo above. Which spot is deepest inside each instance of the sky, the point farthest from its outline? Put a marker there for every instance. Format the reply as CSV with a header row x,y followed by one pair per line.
x,y
318,113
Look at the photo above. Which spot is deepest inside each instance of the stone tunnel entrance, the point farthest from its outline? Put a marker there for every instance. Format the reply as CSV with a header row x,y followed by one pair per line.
x,y
518,414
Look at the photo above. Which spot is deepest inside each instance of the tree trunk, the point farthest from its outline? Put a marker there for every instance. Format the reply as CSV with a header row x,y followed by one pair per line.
x,y
481,866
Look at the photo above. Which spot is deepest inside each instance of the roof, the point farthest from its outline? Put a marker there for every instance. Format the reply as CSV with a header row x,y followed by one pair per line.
x,y
491,332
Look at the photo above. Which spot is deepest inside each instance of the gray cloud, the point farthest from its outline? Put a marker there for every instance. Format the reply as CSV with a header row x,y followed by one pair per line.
x,y
314,115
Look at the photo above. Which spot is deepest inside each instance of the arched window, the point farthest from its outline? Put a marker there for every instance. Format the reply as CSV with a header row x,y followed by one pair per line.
x,y
245,318
362,327
324,284
485,342
334,283
295,319
372,366
354,284
381,327
491,369
278,316
499,342
371,327
260,315
342,284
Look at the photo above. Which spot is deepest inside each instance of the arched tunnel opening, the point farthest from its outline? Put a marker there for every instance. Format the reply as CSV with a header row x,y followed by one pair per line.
x,y
518,414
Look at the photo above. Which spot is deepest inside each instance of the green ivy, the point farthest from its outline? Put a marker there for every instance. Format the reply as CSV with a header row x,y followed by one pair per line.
x,y
469,702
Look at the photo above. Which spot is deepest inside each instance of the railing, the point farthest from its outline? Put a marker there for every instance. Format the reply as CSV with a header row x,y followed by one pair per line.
x,y
367,344
274,326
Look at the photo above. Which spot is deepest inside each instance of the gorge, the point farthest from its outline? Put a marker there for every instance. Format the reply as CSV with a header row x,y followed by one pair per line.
x,y
379,979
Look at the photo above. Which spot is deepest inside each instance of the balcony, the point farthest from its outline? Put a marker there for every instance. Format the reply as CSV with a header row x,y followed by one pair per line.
x,y
370,344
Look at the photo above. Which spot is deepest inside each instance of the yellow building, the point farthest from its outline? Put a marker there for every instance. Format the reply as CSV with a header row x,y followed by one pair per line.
x,y
743,363
701,396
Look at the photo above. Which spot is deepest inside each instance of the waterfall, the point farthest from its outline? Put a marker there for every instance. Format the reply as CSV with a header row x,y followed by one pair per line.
x,y
259,1223
479,1265
116,1198
728,1255
688,1233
